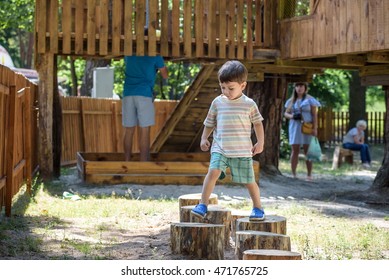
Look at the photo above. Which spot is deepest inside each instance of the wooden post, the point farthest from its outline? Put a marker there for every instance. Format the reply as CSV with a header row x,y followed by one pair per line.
x,y
270,255
45,67
272,223
216,215
235,215
247,240
28,139
10,150
193,199
204,241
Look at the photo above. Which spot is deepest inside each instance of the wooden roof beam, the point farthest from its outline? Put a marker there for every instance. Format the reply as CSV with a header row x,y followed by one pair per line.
x,y
374,70
277,69
308,64
351,60
378,57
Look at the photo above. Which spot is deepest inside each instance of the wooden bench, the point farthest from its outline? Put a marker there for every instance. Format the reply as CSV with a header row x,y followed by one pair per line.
x,y
340,155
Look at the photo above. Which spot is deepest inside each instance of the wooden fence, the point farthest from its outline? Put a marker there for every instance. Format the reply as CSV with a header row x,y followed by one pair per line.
x,y
175,28
18,138
95,125
375,127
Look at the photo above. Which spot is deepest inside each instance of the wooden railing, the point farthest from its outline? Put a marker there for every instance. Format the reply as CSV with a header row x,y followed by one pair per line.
x,y
18,138
175,28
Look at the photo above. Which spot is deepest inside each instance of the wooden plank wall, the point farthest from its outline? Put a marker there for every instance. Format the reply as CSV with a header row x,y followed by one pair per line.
x,y
337,26
95,125
18,134
176,28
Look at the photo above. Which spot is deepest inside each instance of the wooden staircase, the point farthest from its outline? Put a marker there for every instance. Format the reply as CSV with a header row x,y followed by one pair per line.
x,y
183,129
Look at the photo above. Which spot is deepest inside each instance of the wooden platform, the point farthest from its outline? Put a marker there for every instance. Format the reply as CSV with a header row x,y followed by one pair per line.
x,y
164,169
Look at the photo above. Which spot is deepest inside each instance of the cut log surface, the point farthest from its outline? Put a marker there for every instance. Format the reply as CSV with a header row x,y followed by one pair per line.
x,y
272,223
248,240
270,255
235,215
193,199
217,215
202,241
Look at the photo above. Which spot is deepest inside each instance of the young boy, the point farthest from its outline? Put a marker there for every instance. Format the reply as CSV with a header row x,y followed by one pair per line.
x,y
231,117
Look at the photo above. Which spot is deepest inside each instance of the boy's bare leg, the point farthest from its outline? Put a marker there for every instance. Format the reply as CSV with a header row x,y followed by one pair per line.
x,y
209,184
254,194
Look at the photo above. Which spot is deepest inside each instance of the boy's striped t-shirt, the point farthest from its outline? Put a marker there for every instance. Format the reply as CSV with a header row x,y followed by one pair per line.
x,y
232,122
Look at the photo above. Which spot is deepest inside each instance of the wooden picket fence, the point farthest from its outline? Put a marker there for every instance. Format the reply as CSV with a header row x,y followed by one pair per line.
x,y
95,125
375,127
18,135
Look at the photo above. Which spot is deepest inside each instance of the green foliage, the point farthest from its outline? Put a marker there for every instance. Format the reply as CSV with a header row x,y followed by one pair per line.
x,y
331,88
64,72
375,99
16,21
181,76
17,14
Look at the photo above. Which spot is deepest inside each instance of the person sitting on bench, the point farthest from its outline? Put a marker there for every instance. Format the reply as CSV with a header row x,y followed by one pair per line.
x,y
355,140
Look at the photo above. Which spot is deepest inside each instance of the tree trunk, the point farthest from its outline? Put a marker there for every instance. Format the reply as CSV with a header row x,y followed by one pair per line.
x,y
45,67
381,181
270,255
87,79
357,105
272,223
57,125
249,239
203,241
74,77
269,95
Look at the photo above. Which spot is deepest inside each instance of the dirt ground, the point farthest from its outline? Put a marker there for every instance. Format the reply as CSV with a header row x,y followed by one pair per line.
x,y
343,196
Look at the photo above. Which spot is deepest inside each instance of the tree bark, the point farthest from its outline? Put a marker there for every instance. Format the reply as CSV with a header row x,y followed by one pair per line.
x,y
269,95
45,67
272,223
381,181
203,241
57,124
87,79
248,240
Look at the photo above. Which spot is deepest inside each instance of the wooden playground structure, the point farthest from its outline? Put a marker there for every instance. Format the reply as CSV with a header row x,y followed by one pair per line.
x,y
266,35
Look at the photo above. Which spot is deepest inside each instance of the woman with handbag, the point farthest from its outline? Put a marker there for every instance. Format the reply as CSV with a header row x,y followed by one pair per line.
x,y
301,110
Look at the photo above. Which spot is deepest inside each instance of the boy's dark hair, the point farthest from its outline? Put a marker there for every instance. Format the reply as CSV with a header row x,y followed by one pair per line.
x,y
232,71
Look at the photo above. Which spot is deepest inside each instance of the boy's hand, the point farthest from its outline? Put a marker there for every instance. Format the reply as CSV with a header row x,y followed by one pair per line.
x,y
204,145
257,149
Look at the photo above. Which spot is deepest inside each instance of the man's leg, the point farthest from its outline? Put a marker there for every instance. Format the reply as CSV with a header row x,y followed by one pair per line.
x,y
127,142
144,143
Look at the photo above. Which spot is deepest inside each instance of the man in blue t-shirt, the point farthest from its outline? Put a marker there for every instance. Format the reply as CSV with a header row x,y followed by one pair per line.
x,y
138,107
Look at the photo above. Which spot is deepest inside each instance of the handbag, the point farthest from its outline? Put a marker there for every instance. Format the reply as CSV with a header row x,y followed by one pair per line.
x,y
306,128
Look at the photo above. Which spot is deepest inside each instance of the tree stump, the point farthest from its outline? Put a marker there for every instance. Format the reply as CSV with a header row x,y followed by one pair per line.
x,y
203,241
247,240
194,199
270,255
235,215
272,223
217,215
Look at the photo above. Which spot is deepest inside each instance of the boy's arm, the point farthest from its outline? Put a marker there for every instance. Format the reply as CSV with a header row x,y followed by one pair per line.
x,y
205,144
260,134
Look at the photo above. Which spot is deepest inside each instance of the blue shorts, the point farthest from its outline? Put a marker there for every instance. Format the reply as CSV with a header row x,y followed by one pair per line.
x,y
241,168
138,110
